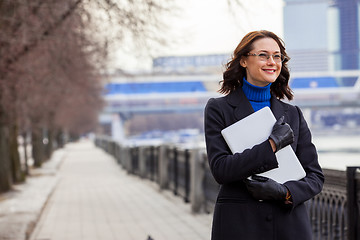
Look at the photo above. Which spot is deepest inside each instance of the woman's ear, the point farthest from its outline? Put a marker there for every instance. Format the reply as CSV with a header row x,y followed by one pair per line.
x,y
243,62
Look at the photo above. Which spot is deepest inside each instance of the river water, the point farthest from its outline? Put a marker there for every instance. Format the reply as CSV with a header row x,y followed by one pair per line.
x,y
337,151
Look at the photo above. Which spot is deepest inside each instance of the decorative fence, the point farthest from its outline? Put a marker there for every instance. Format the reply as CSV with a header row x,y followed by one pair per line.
x,y
334,213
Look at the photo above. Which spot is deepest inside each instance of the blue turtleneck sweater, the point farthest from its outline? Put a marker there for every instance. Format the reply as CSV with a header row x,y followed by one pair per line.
x,y
259,97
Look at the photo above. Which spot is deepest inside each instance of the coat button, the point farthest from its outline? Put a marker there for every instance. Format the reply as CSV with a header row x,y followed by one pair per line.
x,y
269,218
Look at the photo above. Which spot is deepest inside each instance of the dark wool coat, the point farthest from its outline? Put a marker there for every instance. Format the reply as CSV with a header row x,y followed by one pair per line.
x,y
237,215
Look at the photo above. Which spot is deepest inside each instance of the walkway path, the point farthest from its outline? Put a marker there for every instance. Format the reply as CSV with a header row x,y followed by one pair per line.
x,y
96,199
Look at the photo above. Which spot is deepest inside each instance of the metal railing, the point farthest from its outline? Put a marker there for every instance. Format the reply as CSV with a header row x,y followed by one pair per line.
x,y
334,213
328,210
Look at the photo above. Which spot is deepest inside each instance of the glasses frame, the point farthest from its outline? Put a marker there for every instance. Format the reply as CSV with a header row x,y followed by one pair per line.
x,y
282,58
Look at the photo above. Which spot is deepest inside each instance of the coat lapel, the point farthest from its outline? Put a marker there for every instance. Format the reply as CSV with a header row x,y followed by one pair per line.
x,y
242,105
278,109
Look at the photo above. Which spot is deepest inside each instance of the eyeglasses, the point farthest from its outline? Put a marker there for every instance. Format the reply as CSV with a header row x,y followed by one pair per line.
x,y
278,58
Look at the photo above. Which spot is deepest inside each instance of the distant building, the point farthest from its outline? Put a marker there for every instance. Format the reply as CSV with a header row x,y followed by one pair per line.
x,y
322,35
212,63
322,40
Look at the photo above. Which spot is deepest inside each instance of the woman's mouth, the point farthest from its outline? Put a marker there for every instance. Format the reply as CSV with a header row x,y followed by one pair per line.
x,y
269,70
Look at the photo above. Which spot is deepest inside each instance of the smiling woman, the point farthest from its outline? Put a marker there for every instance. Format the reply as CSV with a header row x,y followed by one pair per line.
x,y
256,77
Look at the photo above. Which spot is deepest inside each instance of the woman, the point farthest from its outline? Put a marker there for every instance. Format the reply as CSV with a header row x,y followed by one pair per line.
x,y
257,76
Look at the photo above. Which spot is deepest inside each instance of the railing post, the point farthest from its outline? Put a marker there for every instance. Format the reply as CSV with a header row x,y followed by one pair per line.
x,y
352,204
142,161
116,151
152,163
175,170
187,175
197,173
123,156
127,159
135,160
163,167
131,160
156,163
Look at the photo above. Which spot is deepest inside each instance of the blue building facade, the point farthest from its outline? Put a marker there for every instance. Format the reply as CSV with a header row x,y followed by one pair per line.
x,y
322,35
349,33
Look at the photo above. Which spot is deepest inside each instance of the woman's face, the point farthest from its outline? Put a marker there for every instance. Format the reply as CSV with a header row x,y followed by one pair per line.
x,y
259,70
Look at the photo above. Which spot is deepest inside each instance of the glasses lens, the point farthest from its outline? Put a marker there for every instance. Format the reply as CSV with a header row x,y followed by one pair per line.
x,y
263,56
277,57
281,58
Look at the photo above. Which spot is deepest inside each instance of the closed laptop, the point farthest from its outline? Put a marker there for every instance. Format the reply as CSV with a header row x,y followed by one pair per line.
x,y
255,129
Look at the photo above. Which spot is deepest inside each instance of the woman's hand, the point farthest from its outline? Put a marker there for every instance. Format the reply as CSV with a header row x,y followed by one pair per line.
x,y
263,188
281,134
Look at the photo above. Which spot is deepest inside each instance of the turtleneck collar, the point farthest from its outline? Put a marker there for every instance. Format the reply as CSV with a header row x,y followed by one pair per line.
x,y
258,97
256,93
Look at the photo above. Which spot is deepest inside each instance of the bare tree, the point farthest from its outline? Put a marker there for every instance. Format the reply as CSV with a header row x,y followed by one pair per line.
x,y
51,56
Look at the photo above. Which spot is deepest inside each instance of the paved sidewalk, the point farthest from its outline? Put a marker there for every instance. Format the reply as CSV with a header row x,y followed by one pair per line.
x,y
20,208
96,199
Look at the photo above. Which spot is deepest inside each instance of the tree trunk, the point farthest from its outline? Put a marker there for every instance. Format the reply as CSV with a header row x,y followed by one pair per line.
x,y
26,158
60,139
5,173
38,152
16,170
50,144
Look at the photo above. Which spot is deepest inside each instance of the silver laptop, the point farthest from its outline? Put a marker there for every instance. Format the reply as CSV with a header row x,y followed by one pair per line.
x,y
255,129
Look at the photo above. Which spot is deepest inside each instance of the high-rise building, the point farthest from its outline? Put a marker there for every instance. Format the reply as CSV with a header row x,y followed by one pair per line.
x,y
322,40
322,35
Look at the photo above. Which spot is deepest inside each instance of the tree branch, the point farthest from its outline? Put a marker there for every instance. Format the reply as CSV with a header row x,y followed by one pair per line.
x,y
46,32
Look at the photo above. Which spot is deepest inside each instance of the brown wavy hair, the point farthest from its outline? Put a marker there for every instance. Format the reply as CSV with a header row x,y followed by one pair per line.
x,y
234,73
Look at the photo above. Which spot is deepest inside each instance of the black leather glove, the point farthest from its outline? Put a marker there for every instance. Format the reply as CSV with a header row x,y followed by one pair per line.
x,y
281,134
263,188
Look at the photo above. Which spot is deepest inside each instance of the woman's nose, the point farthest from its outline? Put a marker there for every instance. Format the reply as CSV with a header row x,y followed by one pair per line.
x,y
270,60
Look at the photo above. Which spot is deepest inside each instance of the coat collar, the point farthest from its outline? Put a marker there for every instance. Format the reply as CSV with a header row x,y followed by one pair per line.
x,y
243,108
242,105
278,108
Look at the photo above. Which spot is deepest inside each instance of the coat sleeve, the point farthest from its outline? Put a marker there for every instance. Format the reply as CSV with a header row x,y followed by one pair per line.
x,y
312,183
225,166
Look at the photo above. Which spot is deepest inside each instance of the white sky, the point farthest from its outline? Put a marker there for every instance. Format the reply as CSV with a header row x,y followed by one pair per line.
x,y
210,27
